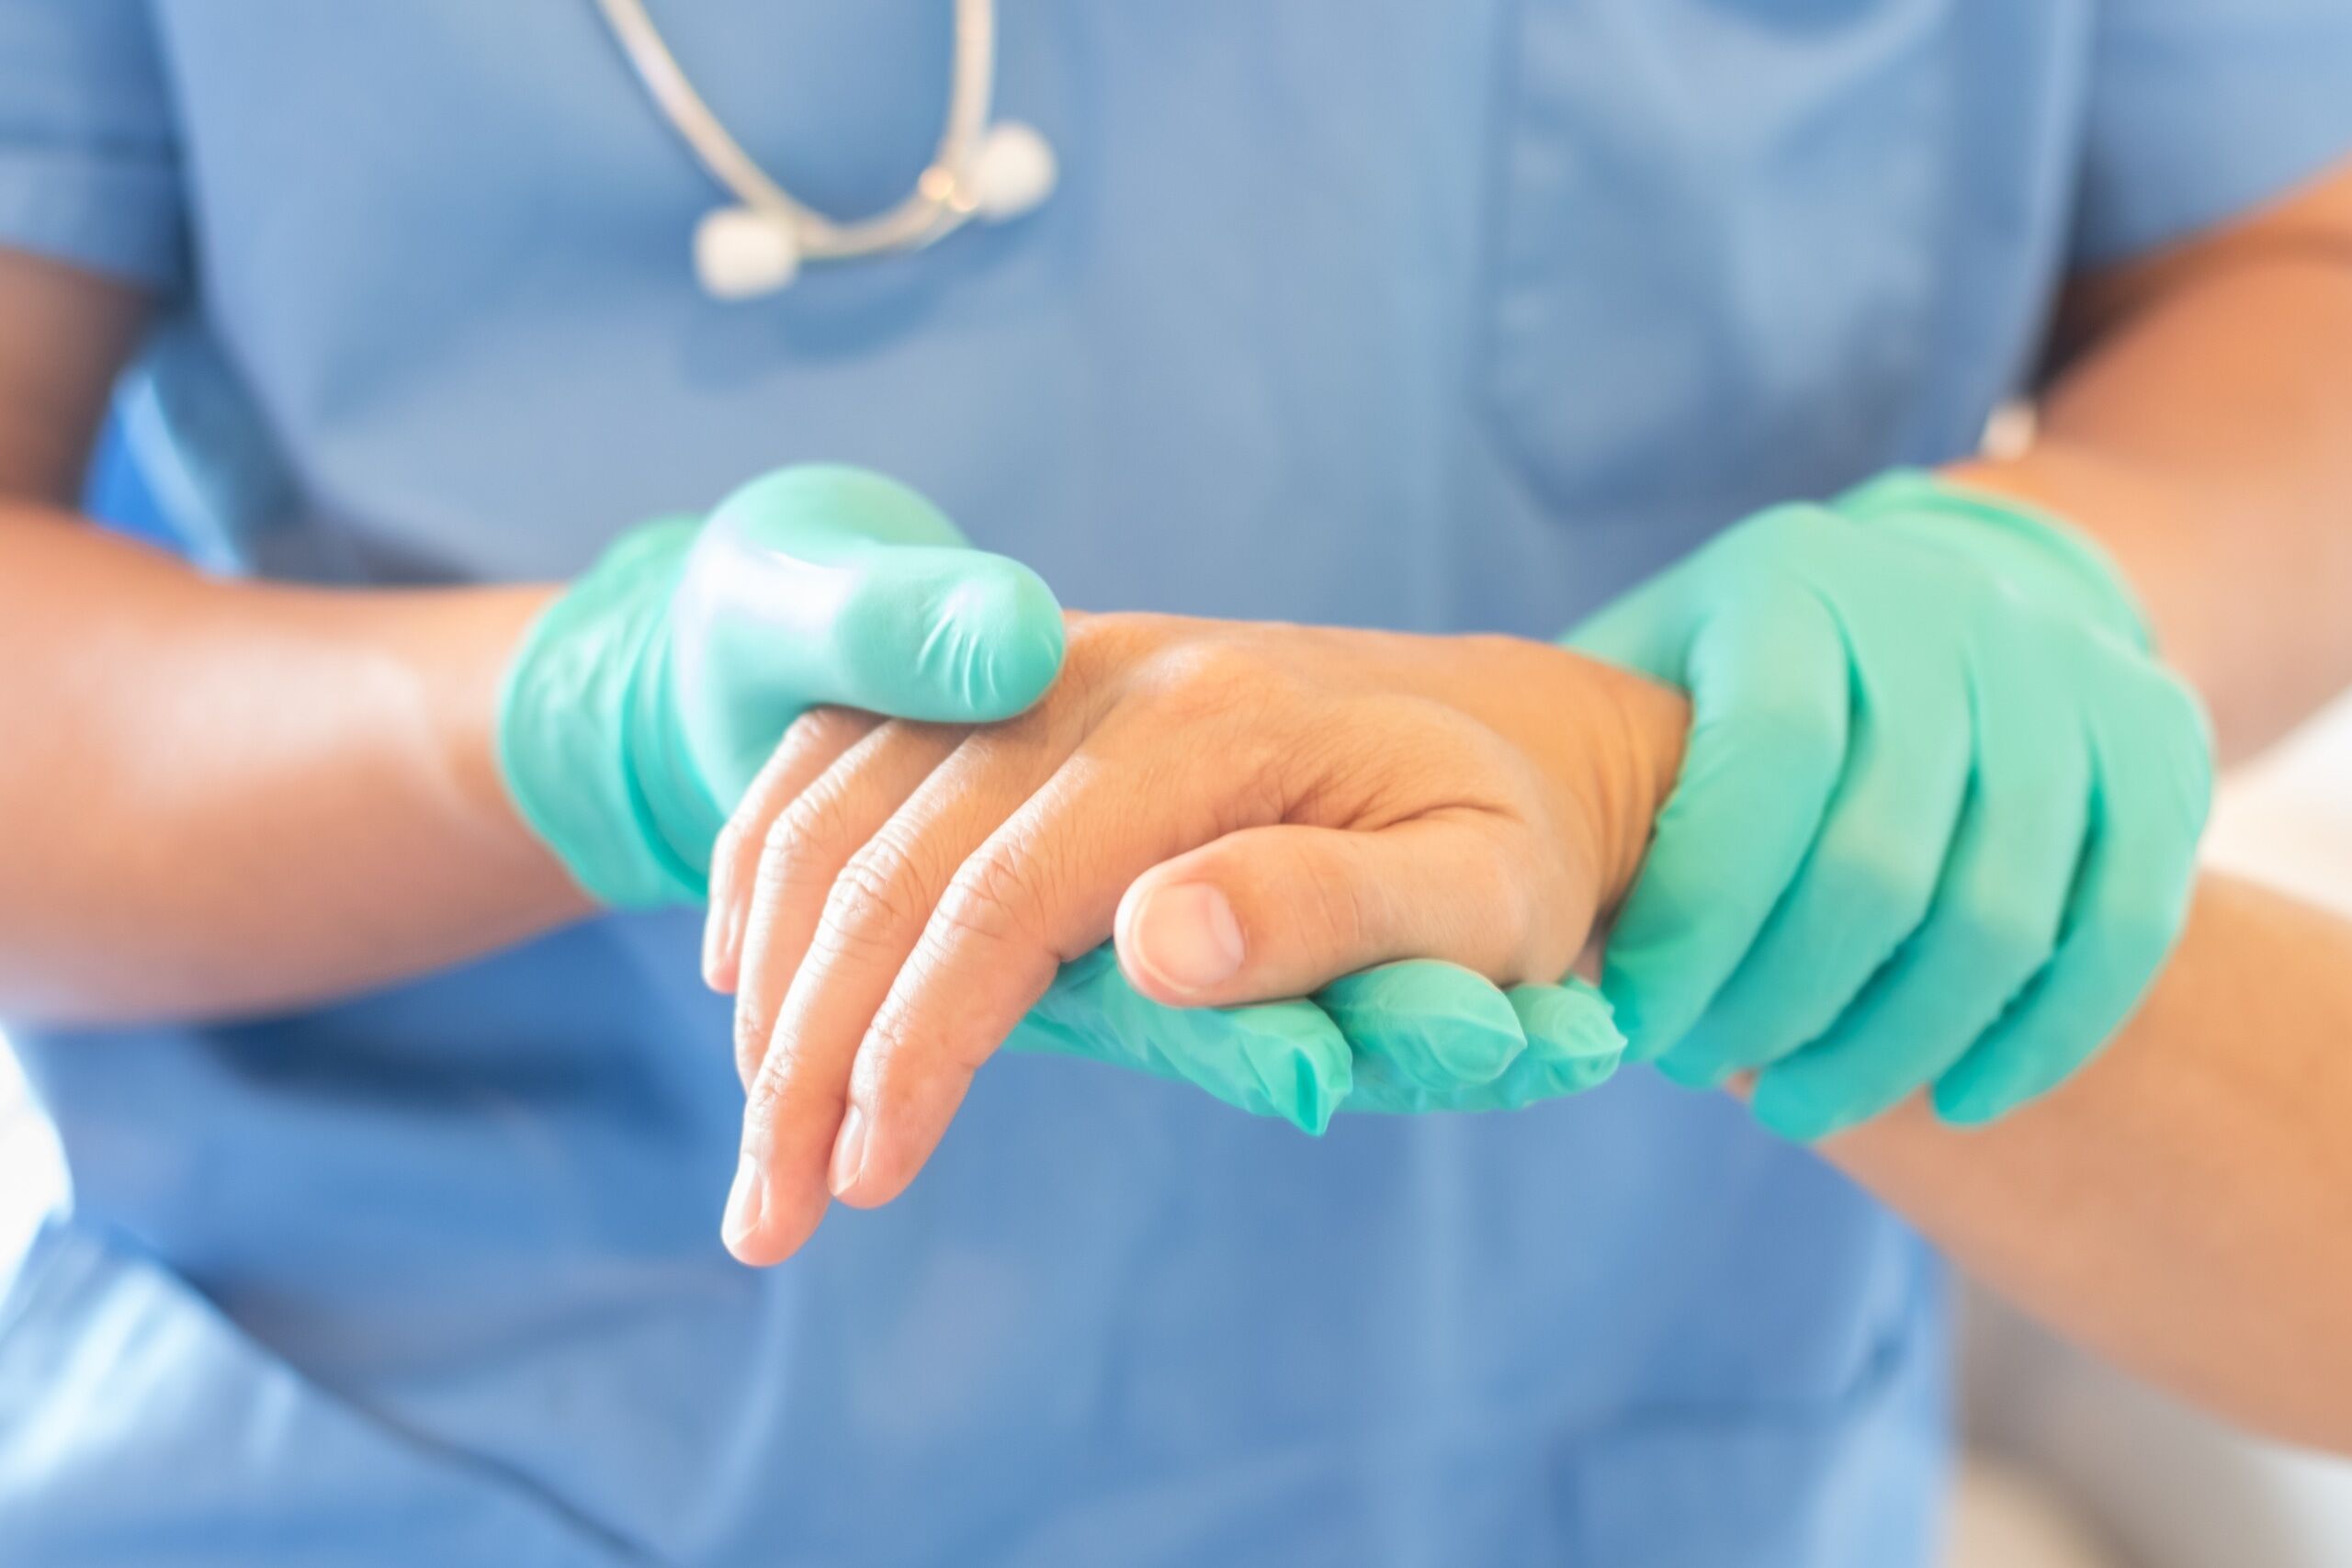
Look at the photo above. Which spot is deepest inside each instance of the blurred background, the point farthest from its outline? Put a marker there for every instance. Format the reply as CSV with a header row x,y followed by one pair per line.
x,y
2070,1465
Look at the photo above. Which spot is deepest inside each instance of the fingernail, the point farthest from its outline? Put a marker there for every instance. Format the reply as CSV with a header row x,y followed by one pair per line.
x,y
1187,937
746,1201
849,1152
714,940
731,940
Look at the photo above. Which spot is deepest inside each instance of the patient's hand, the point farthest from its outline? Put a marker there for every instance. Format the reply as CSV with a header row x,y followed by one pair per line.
x,y
1253,809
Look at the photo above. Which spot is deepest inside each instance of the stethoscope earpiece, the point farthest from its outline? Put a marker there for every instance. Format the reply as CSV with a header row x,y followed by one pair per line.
x,y
742,252
1015,174
755,245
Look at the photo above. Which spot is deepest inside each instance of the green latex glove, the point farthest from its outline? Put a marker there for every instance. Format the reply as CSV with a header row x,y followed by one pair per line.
x,y
643,701
646,698
1937,820
1405,1037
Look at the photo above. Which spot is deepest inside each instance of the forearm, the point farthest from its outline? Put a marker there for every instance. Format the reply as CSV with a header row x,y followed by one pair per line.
x,y
2203,433
225,797
2185,1206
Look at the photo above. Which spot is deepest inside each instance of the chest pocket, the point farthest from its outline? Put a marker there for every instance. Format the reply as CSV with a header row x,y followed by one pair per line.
x,y
1715,251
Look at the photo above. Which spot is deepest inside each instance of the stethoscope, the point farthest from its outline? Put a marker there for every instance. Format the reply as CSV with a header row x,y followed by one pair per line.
x,y
995,172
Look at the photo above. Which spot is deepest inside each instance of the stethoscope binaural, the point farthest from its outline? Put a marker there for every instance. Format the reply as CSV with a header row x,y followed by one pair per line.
x,y
993,171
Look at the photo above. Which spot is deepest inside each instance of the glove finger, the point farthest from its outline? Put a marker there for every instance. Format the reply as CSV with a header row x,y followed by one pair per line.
x,y
1426,1035
1283,1059
1768,684
906,618
1994,919
1572,1043
945,635
1870,876
2152,756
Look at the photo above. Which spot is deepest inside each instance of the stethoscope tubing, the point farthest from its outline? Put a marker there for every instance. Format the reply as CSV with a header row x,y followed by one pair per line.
x,y
944,197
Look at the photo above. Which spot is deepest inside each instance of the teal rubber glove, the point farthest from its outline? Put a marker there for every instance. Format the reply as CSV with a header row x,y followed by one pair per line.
x,y
1430,1036
1937,820
643,701
1415,1036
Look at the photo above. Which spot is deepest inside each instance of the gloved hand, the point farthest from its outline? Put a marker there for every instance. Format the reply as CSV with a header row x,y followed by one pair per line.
x,y
643,701
1939,815
1419,1035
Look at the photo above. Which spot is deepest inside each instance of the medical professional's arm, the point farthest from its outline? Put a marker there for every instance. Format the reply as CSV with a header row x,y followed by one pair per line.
x,y
230,796
225,796
2201,429
2183,1207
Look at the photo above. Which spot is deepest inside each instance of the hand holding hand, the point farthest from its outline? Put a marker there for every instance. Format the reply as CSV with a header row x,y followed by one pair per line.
x,y
1938,824
1255,811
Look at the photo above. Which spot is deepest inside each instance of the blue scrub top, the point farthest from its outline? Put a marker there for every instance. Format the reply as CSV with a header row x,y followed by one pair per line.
x,y
1427,313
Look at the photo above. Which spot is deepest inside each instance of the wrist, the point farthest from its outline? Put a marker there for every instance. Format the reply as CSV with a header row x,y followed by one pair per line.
x,y
471,737
581,741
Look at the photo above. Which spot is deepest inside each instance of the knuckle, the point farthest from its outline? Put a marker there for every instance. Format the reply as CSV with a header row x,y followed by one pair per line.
x,y
1204,664
875,1079
751,1041
814,727
816,821
1344,910
878,892
998,896
764,1100
1028,744
1196,681
1096,648
1094,640
905,1057
800,848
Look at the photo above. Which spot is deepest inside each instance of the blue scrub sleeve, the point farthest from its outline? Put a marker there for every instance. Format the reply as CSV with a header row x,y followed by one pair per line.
x,y
2202,109
89,153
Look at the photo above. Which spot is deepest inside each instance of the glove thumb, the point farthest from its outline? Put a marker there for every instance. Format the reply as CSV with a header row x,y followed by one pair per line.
x,y
830,585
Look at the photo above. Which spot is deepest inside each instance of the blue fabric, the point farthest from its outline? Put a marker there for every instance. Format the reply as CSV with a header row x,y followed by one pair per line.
x,y
2200,108
89,151
1460,314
